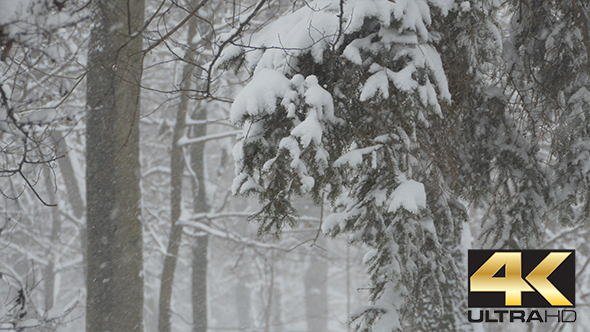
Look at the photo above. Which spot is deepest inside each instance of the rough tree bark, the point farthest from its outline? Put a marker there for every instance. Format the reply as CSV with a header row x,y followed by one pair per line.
x,y
114,229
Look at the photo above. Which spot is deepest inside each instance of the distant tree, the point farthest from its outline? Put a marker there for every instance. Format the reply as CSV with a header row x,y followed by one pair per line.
x,y
177,166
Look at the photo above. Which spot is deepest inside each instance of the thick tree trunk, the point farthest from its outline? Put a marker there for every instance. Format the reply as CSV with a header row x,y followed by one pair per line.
x,y
176,175
114,228
200,247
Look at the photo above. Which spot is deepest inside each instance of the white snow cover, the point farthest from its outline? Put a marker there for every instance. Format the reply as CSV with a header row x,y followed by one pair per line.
x,y
260,97
355,157
337,220
378,82
315,27
410,195
579,99
391,302
9,8
318,98
309,130
465,6
267,85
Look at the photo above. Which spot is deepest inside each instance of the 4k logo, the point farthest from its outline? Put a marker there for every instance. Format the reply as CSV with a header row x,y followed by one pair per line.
x,y
525,278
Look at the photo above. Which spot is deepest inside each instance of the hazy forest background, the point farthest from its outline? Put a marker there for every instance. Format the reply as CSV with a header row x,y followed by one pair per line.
x,y
275,165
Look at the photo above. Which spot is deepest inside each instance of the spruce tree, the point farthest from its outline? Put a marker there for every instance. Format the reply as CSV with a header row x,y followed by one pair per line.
x,y
343,106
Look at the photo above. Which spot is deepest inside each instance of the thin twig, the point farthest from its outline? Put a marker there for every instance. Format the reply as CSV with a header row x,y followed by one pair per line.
x,y
178,26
